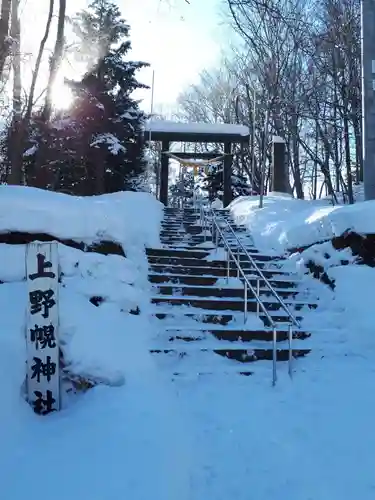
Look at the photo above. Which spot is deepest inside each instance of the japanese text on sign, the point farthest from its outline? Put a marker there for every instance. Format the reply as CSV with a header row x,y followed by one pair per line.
x,y
43,379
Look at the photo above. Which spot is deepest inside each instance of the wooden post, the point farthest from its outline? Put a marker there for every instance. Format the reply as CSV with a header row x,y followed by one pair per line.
x,y
164,173
42,342
227,174
279,171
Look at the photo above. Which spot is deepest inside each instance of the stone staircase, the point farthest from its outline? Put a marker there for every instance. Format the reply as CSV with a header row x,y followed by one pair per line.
x,y
198,314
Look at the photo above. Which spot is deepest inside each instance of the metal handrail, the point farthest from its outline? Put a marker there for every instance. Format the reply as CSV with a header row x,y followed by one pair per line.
x,y
294,320
247,283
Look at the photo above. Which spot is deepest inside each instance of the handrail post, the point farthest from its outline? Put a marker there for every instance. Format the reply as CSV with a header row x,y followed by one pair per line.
x,y
245,302
274,357
228,265
238,259
258,291
290,357
204,215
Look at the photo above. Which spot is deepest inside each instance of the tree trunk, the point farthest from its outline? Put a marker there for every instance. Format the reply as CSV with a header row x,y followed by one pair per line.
x,y
296,172
38,62
358,148
16,134
4,33
347,159
55,61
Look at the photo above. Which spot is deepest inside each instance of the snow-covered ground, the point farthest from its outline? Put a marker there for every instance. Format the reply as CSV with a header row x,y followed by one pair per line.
x,y
101,444
142,436
287,223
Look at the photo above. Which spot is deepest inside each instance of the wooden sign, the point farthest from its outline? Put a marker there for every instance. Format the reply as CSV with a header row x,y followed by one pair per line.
x,y
43,370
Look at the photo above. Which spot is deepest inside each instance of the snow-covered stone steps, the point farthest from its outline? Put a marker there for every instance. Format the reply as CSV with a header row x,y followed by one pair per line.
x,y
234,331
222,292
203,363
229,335
175,231
171,236
210,280
192,253
230,303
219,271
222,317
243,354
198,313
190,219
192,261
186,245
226,338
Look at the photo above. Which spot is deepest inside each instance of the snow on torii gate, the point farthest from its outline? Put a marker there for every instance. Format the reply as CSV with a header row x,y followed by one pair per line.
x,y
167,132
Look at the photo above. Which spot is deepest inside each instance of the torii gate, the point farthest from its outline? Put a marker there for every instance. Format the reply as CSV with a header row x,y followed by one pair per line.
x,y
214,133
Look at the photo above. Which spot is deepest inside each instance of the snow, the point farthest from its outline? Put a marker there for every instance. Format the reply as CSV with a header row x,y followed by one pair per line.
x,y
229,283
196,128
217,203
218,253
109,429
143,435
113,143
31,151
286,223
128,218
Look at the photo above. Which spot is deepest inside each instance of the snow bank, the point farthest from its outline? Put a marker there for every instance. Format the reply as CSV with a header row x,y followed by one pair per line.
x,y
124,433
89,334
286,223
129,218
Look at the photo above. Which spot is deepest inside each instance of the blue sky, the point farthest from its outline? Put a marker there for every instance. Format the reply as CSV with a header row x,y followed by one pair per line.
x,y
178,39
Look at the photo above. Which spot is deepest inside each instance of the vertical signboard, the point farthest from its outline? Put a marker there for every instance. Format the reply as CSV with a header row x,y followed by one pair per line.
x,y
43,377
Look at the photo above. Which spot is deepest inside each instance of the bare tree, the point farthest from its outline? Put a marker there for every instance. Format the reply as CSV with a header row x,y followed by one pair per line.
x,y
39,61
5,42
303,58
15,176
56,59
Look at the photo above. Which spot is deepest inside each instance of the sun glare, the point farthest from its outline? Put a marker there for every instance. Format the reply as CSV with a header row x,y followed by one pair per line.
x,y
62,96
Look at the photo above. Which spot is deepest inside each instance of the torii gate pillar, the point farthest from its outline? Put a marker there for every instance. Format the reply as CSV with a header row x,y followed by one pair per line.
x,y
164,174
279,168
227,198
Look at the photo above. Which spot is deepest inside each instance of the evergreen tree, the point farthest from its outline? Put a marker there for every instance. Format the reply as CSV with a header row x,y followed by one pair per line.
x,y
240,186
213,183
97,145
113,120
183,189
